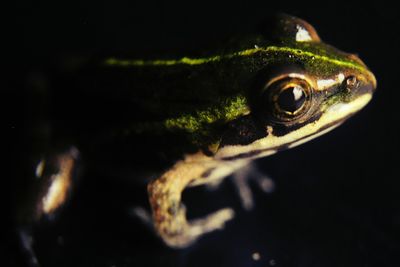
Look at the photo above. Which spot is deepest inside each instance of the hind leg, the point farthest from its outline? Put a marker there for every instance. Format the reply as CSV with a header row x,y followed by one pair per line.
x,y
50,188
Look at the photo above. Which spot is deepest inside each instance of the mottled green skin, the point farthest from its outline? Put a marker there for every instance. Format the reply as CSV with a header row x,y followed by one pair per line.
x,y
169,107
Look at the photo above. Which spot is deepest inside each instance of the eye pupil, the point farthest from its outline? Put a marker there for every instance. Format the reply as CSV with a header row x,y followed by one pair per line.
x,y
291,99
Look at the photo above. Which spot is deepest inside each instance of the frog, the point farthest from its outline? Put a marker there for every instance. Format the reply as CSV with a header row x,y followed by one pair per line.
x,y
190,121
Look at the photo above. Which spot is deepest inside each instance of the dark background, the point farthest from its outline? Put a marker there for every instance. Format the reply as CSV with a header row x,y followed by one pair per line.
x,y
336,201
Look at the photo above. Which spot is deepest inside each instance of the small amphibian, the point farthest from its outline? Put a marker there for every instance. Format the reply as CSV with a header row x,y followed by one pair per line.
x,y
193,121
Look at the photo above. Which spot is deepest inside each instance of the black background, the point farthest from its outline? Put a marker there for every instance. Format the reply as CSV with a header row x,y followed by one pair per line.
x,y
336,201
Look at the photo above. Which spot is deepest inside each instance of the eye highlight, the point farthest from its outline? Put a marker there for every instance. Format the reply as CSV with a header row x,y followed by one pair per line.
x,y
288,98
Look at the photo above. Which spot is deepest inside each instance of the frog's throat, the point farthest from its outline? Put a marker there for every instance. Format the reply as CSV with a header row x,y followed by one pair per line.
x,y
270,144
248,52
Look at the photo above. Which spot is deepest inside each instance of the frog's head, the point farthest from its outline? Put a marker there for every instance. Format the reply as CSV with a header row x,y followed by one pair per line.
x,y
307,88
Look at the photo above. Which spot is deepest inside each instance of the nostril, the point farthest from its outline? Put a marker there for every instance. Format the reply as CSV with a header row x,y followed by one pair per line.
x,y
351,83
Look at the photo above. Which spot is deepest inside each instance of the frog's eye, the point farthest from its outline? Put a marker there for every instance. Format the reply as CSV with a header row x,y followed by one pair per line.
x,y
288,98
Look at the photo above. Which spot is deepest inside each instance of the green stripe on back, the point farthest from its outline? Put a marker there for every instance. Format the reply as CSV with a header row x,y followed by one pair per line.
x,y
248,52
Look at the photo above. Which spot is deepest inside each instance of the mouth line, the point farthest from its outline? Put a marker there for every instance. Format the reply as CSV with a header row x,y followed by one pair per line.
x,y
332,117
321,131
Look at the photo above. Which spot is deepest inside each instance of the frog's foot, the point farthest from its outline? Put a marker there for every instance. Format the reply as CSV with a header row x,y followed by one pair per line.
x,y
241,179
169,214
186,233
189,231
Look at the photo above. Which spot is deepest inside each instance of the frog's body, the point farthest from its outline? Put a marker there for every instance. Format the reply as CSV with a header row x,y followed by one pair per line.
x,y
194,121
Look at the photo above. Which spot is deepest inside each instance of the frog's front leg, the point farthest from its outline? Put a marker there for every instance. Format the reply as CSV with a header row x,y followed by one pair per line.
x,y
241,180
169,215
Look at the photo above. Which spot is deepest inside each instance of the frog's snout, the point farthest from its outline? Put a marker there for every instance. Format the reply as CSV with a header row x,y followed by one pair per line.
x,y
366,78
360,83
373,81
368,83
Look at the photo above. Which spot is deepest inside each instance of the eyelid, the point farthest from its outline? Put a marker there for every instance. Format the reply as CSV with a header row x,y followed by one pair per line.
x,y
289,75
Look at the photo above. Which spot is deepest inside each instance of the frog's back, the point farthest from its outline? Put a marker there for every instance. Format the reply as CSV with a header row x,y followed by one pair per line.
x,y
158,109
